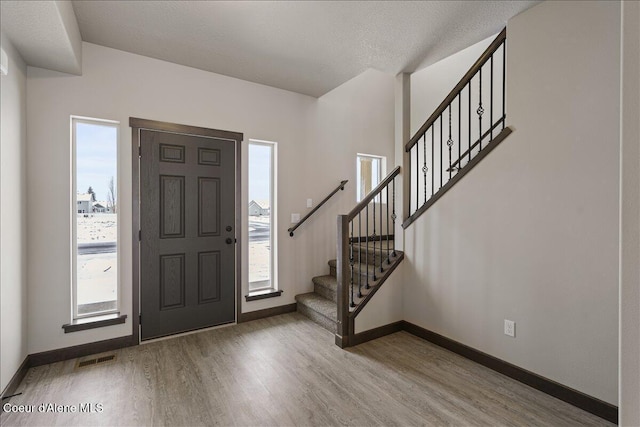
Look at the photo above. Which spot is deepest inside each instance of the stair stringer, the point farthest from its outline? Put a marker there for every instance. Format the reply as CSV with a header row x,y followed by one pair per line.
x,y
385,306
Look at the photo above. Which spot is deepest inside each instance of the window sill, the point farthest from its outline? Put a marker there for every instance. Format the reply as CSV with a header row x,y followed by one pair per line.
x,y
263,294
94,322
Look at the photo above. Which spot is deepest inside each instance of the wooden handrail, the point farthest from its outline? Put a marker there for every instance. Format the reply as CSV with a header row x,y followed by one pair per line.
x,y
369,197
461,84
339,187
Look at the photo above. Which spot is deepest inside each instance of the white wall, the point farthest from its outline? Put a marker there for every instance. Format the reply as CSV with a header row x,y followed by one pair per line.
x,y
431,85
13,234
356,117
630,218
315,138
531,234
116,85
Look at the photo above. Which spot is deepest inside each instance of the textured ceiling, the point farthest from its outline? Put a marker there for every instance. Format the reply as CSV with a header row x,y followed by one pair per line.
x,y
306,46
44,32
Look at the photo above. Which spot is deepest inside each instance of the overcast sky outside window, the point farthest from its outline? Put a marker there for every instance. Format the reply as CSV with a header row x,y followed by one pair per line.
x,y
259,171
96,151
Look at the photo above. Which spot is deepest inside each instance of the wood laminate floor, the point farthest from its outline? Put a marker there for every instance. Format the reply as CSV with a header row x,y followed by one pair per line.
x,y
286,370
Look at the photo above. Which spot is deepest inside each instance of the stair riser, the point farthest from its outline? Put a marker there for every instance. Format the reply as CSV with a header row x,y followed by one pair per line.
x,y
362,256
327,293
318,318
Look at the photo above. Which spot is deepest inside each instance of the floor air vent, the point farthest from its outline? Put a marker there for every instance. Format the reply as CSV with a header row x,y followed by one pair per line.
x,y
95,361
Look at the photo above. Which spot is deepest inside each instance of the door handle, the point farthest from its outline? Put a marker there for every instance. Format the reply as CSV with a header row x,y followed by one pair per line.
x,y
230,240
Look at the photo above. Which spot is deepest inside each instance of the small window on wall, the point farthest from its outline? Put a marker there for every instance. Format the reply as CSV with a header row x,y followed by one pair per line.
x,y
94,217
262,216
370,170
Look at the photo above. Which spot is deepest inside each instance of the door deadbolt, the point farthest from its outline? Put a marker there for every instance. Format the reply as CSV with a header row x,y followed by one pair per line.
x,y
229,228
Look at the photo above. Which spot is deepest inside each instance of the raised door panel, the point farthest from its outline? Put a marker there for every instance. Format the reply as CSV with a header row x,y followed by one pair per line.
x,y
171,206
208,207
209,277
172,281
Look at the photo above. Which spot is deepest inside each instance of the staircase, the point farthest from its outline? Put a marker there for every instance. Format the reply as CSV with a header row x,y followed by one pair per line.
x,y
321,304
467,125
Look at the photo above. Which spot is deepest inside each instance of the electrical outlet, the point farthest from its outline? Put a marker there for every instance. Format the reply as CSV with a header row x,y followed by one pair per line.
x,y
309,203
295,218
510,328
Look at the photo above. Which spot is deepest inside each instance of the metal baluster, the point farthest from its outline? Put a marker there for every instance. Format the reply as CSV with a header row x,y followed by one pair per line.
x,y
491,102
424,165
450,141
440,152
360,253
381,230
480,110
417,178
387,187
459,130
353,304
470,120
366,253
433,176
374,242
504,81
393,217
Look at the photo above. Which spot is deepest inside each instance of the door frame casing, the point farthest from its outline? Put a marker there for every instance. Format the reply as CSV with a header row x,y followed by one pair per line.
x,y
138,125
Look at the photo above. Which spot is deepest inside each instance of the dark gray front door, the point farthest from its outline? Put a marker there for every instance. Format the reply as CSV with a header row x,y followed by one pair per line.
x,y
187,221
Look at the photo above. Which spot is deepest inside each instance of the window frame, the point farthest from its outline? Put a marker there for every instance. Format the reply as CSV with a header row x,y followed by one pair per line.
x,y
381,171
74,120
263,292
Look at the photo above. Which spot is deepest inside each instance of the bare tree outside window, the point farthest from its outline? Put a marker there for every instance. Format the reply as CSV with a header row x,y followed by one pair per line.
x,y
112,197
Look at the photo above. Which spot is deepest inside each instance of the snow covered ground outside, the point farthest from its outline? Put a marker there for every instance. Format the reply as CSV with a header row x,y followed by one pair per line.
x,y
98,272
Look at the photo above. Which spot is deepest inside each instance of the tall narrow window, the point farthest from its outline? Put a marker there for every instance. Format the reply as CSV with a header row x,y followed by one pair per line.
x,y
95,217
262,215
369,170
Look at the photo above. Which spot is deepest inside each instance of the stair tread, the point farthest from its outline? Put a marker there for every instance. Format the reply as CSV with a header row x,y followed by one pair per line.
x,y
319,304
360,267
379,246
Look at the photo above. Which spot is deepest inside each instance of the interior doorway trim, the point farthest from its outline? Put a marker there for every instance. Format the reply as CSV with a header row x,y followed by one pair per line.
x,y
137,125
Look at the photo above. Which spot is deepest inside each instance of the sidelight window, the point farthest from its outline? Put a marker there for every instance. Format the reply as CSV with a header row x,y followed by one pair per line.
x,y
95,209
262,215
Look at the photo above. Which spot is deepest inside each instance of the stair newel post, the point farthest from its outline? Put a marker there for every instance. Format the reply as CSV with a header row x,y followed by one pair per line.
x,y
342,275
